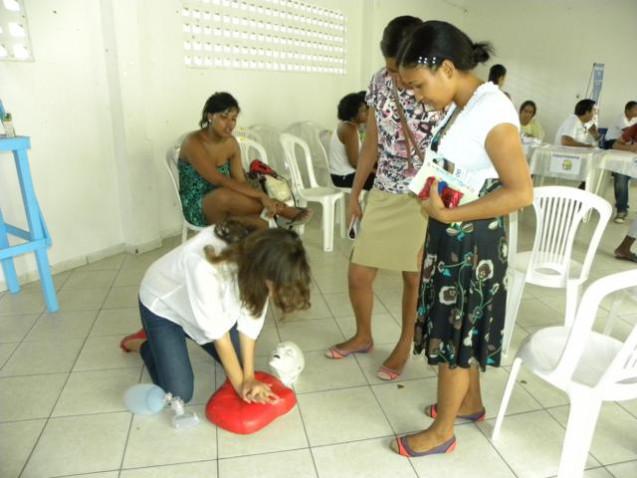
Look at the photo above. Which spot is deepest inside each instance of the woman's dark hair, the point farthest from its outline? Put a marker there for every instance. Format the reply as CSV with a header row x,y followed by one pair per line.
x,y
276,255
584,106
528,103
496,72
217,103
395,31
349,105
435,41
629,106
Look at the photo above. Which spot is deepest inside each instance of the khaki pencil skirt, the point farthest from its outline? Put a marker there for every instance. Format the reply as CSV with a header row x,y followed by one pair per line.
x,y
392,232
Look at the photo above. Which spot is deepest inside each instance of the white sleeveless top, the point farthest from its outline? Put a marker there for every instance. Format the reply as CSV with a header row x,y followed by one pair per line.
x,y
339,164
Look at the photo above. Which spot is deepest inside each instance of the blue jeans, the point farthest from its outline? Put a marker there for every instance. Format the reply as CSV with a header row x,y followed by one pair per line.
x,y
621,182
166,356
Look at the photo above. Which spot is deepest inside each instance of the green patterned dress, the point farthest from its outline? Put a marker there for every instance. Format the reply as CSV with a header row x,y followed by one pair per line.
x,y
193,188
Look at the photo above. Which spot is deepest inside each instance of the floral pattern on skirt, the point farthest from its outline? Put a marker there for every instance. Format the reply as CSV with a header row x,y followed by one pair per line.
x,y
462,298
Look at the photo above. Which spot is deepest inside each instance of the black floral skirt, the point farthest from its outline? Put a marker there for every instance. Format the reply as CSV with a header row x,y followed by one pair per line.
x,y
462,298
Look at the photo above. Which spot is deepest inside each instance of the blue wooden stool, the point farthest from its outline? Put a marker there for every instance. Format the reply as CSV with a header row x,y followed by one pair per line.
x,y
37,237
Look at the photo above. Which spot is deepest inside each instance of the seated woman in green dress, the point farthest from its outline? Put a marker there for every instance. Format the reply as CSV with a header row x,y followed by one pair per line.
x,y
212,183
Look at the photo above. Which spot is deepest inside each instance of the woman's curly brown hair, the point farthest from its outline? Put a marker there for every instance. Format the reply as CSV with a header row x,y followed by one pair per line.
x,y
276,255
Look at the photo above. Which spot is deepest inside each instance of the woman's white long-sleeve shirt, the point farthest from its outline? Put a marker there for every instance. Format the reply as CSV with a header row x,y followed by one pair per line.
x,y
203,298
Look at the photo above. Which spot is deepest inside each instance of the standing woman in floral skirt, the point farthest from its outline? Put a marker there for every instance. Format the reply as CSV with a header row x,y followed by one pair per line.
x,y
461,305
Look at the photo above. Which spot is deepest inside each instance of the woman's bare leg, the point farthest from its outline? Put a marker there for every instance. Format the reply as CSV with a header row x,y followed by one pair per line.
x,y
453,386
399,356
361,295
224,203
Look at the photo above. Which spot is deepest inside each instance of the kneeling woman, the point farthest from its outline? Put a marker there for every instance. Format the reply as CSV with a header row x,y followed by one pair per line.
x,y
214,289
461,304
212,183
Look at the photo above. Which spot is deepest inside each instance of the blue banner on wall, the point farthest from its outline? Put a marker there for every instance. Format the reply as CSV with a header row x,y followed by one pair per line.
x,y
598,79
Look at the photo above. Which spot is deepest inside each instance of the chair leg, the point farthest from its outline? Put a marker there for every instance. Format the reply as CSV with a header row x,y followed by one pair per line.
x,y
506,397
572,299
514,298
328,226
8,267
343,215
184,233
612,314
48,287
582,419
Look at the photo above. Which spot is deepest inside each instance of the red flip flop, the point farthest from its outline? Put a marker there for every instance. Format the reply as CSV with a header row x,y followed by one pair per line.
x,y
139,335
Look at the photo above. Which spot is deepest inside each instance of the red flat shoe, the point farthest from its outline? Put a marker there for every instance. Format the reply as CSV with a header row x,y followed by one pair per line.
x,y
432,411
402,448
139,335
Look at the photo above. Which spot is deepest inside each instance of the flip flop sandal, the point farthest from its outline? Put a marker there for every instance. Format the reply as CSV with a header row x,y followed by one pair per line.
x,y
388,374
335,353
303,217
631,258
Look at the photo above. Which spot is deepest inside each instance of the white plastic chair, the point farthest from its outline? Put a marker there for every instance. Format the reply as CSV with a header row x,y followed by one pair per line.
x,y
589,366
172,156
308,131
329,198
559,211
268,137
247,146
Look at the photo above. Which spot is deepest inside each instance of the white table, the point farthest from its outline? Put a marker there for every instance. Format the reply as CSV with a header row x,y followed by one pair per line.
x,y
567,162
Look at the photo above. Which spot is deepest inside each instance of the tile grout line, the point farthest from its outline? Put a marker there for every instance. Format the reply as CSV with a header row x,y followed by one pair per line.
x,y
37,441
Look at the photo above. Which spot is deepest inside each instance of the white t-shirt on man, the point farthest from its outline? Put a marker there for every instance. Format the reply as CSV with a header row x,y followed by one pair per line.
x,y
203,298
574,128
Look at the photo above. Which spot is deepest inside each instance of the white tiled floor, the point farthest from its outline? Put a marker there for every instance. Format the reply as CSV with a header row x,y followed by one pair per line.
x,y
62,378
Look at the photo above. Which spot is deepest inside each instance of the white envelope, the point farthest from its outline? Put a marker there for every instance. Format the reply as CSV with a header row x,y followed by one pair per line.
x,y
429,169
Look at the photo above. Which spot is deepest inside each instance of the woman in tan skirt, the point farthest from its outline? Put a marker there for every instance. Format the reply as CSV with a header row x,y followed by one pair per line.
x,y
393,228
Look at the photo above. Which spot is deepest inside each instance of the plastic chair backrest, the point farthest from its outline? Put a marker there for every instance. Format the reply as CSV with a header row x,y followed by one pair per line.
x,y
559,211
290,144
268,137
309,132
248,147
172,156
620,378
325,138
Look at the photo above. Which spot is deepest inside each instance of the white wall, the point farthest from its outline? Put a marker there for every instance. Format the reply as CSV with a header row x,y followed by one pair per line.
x,y
549,49
61,101
108,93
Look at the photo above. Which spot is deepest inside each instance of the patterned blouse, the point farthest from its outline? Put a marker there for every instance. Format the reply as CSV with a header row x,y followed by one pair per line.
x,y
391,175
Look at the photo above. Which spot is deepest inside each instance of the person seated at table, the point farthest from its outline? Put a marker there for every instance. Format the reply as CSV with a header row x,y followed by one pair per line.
x,y
530,127
626,142
212,183
345,142
625,120
623,251
578,129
